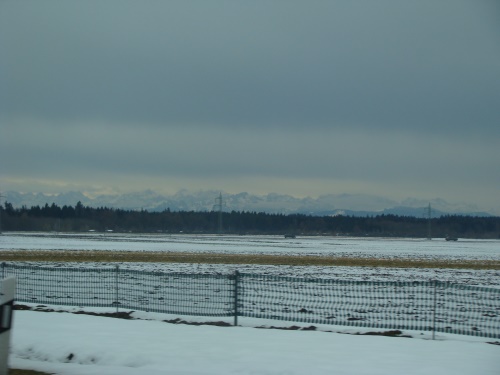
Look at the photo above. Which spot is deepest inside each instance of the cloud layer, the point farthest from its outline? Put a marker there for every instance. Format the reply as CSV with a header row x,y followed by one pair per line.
x,y
392,98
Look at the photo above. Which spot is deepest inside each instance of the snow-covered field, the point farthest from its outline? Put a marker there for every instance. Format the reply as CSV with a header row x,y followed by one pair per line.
x,y
326,246
67,344
313,245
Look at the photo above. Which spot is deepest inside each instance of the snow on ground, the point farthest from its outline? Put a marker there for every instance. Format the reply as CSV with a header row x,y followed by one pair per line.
x,y
320,245
69,344
311,245
487,278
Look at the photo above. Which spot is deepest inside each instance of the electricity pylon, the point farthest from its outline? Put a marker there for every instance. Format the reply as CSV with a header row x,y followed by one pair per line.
x,y
218,204
1,196
429,214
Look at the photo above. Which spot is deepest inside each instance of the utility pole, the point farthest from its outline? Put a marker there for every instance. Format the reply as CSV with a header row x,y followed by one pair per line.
x,y
218,204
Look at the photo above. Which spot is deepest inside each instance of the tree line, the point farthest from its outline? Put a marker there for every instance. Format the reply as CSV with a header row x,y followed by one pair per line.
x,y
80,218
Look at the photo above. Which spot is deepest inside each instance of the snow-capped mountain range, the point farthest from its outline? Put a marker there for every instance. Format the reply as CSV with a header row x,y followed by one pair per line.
x,y
184,200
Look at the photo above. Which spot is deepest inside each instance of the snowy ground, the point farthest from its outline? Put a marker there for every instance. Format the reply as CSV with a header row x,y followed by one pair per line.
x,y
69,344
313,245
326,246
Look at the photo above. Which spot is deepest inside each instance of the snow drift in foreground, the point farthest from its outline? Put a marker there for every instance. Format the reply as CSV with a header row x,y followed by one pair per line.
x,y
69,344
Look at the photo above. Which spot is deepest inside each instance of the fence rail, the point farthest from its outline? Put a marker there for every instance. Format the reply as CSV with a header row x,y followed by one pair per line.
x,y
426,306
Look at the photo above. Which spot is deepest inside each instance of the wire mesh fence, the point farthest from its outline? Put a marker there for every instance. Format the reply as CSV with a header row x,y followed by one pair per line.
x,y
175,293
426,306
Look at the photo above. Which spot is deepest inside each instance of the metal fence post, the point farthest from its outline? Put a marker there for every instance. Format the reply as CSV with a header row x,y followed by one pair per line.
x,y
3,270
117,269
434,312
236,281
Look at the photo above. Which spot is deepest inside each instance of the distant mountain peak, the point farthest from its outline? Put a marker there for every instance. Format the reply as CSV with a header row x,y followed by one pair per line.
x,y
204,200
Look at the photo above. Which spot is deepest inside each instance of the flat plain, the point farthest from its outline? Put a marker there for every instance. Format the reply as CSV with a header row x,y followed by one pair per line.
x,y
474,262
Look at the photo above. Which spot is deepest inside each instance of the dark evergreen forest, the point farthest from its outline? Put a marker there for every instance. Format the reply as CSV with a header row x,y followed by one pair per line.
x,y
82,219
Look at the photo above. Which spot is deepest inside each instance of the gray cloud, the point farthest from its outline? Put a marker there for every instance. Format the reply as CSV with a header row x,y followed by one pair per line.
x,y
324,63
340,94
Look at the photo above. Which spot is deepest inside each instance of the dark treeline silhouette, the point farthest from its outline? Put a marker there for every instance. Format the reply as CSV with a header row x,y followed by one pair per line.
x,y
81,218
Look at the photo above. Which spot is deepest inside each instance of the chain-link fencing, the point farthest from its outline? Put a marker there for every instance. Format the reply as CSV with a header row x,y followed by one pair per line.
x,y
424,306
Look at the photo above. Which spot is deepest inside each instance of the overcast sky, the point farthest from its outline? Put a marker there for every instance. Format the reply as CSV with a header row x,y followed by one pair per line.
x,y
392,98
